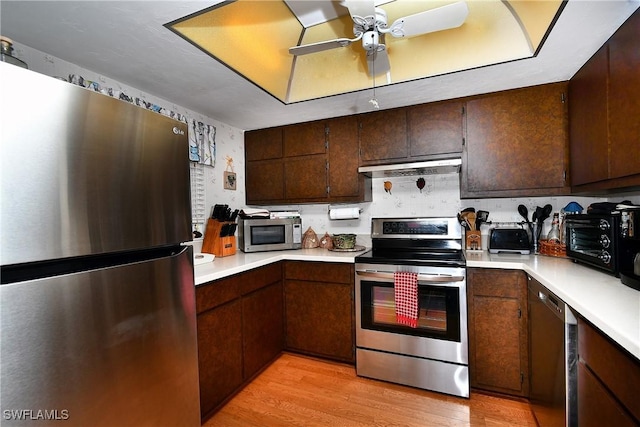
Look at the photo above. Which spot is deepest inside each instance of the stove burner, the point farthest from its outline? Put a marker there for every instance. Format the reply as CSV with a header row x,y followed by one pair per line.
x,y
415,241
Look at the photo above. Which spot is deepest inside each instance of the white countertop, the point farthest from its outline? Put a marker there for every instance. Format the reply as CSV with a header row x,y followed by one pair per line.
x,y
599,297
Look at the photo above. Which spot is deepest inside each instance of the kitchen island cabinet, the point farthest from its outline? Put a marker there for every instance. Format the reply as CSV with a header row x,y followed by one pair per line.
x,y
608,381
605,114
517,143
498,330
240,331
319,309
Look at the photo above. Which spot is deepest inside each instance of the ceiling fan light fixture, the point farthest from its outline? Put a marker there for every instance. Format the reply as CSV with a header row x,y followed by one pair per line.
x,y
370,40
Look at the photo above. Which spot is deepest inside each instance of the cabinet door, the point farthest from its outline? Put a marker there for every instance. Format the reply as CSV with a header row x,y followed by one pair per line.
x,y
435,129
345,183
588,121
304,139
517,143
306,178
263,144
596,405
383,136
264,181
624,99
262,327
219,354
611,365
498,343
319,317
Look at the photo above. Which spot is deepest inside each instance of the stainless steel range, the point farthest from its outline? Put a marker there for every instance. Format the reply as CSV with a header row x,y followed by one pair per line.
x,y
431,353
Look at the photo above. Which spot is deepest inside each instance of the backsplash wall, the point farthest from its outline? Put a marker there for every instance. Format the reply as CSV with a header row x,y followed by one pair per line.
x,y
439,197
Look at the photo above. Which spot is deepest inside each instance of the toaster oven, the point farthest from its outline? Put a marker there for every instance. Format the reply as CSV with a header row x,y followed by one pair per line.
x,y
594,240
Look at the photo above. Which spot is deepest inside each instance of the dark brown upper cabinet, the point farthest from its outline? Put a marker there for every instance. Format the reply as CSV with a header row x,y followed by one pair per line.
x,y
317,163
263,144
305,139
383,137
436,129
345,183
624,100
605,115
588,123
517,143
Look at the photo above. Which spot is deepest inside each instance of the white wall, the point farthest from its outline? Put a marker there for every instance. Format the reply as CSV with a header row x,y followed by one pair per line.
x,y
439,197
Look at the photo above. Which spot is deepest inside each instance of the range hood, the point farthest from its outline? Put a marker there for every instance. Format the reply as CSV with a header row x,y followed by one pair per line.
x,y
431,167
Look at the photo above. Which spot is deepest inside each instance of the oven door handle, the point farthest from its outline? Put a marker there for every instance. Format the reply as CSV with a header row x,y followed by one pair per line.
x,y
432,278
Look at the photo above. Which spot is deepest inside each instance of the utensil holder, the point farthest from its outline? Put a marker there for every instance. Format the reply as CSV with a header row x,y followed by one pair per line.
x,y
536,229
216,245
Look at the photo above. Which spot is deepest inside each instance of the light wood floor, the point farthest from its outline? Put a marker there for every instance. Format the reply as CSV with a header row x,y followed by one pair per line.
x,y
301,391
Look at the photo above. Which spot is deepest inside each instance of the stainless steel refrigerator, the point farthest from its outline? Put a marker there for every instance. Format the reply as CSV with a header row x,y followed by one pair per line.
x,y
97,297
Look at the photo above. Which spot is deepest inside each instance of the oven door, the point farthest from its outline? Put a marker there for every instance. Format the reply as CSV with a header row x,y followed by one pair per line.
x,y
442,324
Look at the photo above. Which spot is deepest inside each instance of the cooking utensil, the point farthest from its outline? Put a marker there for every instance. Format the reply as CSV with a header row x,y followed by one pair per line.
x,y
481,218
546,212
471,219
524,212
465,217
537,214
462,221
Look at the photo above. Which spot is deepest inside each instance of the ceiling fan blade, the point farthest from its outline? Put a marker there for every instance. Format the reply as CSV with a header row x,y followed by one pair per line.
x,y
438,19
378,61
320,46
360,9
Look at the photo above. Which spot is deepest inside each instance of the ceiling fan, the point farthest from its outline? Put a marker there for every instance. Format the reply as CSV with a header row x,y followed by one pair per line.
x,y
370,26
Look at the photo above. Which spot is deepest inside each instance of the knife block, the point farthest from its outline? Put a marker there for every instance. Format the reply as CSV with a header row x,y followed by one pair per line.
x,y
473,240
216,245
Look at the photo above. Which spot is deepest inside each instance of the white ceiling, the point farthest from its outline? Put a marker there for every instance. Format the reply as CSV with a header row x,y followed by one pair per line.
x,y
127,41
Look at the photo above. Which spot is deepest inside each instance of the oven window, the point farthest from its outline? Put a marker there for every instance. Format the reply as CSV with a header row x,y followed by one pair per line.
x,y
438,311
267,234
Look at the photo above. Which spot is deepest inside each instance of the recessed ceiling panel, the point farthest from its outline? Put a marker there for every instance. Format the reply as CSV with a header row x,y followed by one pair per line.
x,y
253,38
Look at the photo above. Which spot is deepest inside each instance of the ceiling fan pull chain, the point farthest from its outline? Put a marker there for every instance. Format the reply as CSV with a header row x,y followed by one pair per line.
x,y
374,101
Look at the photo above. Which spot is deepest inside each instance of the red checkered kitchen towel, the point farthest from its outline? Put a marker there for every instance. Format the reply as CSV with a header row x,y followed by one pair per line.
x,y
406,294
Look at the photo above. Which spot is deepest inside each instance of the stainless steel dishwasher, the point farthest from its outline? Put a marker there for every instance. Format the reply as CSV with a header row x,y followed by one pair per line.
x,y
553,352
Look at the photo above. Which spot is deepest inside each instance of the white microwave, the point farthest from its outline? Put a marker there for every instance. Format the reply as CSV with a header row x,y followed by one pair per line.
x,y
262,234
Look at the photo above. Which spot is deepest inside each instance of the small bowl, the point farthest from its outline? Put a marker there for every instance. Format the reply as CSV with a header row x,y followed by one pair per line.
x,y
344,241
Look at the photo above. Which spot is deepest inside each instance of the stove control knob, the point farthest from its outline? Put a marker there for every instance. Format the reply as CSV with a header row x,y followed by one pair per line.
x,y
605,241
604,225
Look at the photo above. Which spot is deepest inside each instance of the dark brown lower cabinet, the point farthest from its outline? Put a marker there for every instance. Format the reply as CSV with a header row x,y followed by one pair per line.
x,y
240,331
608,381
219,354
262,328
498,331
319,310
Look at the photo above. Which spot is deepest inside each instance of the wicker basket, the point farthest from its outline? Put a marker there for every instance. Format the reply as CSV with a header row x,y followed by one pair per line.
x,y
553,249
